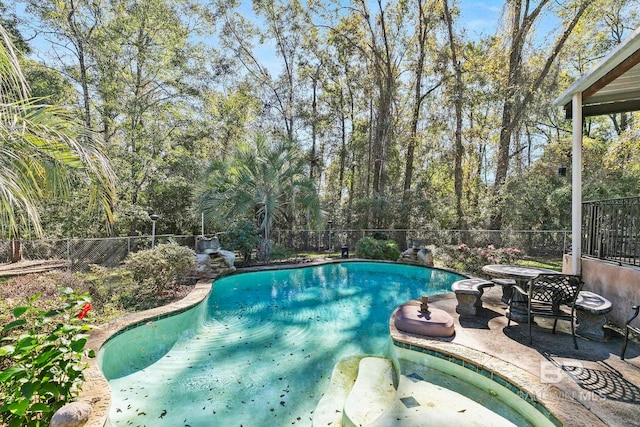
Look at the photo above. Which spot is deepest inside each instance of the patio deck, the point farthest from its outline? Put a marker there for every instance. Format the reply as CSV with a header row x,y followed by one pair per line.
x,y
594,387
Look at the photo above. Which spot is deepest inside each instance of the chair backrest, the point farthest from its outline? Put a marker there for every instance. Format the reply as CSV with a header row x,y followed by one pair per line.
x,y
555,289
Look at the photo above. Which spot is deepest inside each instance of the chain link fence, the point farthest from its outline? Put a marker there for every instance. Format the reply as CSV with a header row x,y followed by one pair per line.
x,y
78,254
534,243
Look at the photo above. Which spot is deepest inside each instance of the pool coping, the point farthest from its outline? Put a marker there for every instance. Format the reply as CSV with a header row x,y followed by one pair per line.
x,y
97,392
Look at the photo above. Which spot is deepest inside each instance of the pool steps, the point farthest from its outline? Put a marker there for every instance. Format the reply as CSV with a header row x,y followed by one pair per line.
x,y
367,391
361,389
372,394
331,406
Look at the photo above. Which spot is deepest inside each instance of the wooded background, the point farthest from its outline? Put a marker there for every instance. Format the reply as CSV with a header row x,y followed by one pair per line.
x,y
368,114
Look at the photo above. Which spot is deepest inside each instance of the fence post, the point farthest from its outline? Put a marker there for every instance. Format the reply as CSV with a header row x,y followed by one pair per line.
x,y
69,251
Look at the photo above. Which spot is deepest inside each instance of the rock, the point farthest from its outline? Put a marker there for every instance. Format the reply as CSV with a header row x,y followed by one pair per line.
x,y
208,246
204,268
425,257
73,414
422,256
229,258
210,266
407,254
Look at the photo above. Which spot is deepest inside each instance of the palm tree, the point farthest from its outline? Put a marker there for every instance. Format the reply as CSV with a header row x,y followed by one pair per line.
x,y
262,180
43,153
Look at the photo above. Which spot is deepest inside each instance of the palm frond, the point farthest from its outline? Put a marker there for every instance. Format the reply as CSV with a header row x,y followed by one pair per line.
x,y
43,150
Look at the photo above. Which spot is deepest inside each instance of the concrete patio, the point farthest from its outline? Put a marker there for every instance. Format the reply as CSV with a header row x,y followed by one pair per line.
x,y
589,386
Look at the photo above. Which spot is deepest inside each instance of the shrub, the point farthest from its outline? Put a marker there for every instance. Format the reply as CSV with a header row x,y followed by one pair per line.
x,y
280,252
109,288
242,236
371,248
471,260
41,367
161,267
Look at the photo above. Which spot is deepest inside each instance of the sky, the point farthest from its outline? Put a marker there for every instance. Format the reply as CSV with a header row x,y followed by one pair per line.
x,y
478,18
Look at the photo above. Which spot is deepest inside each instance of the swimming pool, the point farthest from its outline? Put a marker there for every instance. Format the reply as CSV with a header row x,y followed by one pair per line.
x,y
260,350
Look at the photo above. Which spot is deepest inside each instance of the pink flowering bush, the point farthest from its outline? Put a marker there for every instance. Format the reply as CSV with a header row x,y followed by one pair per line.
x,y
471,259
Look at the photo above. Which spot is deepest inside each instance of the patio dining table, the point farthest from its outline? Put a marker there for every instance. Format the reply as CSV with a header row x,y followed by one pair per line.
x,y
521,275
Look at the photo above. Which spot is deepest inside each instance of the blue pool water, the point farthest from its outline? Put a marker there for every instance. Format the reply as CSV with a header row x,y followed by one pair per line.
x,y
259,351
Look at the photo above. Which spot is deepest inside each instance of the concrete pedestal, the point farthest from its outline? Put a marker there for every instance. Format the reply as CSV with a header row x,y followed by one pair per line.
x,y
435,323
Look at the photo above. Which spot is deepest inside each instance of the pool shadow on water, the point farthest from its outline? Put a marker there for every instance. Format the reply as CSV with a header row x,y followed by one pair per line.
x,y
294,327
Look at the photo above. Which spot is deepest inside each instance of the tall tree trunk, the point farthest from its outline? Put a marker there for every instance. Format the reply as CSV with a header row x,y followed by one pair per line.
x,y
380,51
369,157
15,250
79,40
351,194
519,93
352,118
380,147
314,126
343,163
458,91
343,146
422,29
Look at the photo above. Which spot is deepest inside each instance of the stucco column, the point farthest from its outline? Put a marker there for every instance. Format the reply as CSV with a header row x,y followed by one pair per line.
x,y
576,184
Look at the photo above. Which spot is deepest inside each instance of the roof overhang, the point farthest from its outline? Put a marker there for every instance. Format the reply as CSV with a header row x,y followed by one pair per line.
x,y
612,86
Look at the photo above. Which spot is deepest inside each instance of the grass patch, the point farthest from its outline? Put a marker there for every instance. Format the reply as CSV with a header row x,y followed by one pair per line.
x,y
550,263
315,255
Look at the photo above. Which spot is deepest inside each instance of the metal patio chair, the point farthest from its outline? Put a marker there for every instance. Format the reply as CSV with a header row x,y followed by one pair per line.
x,y
628,328
544,296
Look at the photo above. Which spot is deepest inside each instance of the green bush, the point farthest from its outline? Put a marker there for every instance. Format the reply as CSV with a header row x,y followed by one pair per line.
x,y
242,236
159,268
280,252
41,367
370,248
110,290
390,250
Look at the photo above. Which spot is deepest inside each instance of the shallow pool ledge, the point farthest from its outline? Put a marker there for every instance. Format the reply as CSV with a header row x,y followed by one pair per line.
x,y
545,397
96,390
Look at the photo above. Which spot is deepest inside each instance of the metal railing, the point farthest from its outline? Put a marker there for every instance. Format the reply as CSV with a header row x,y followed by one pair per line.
x,y
611,230
78,254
